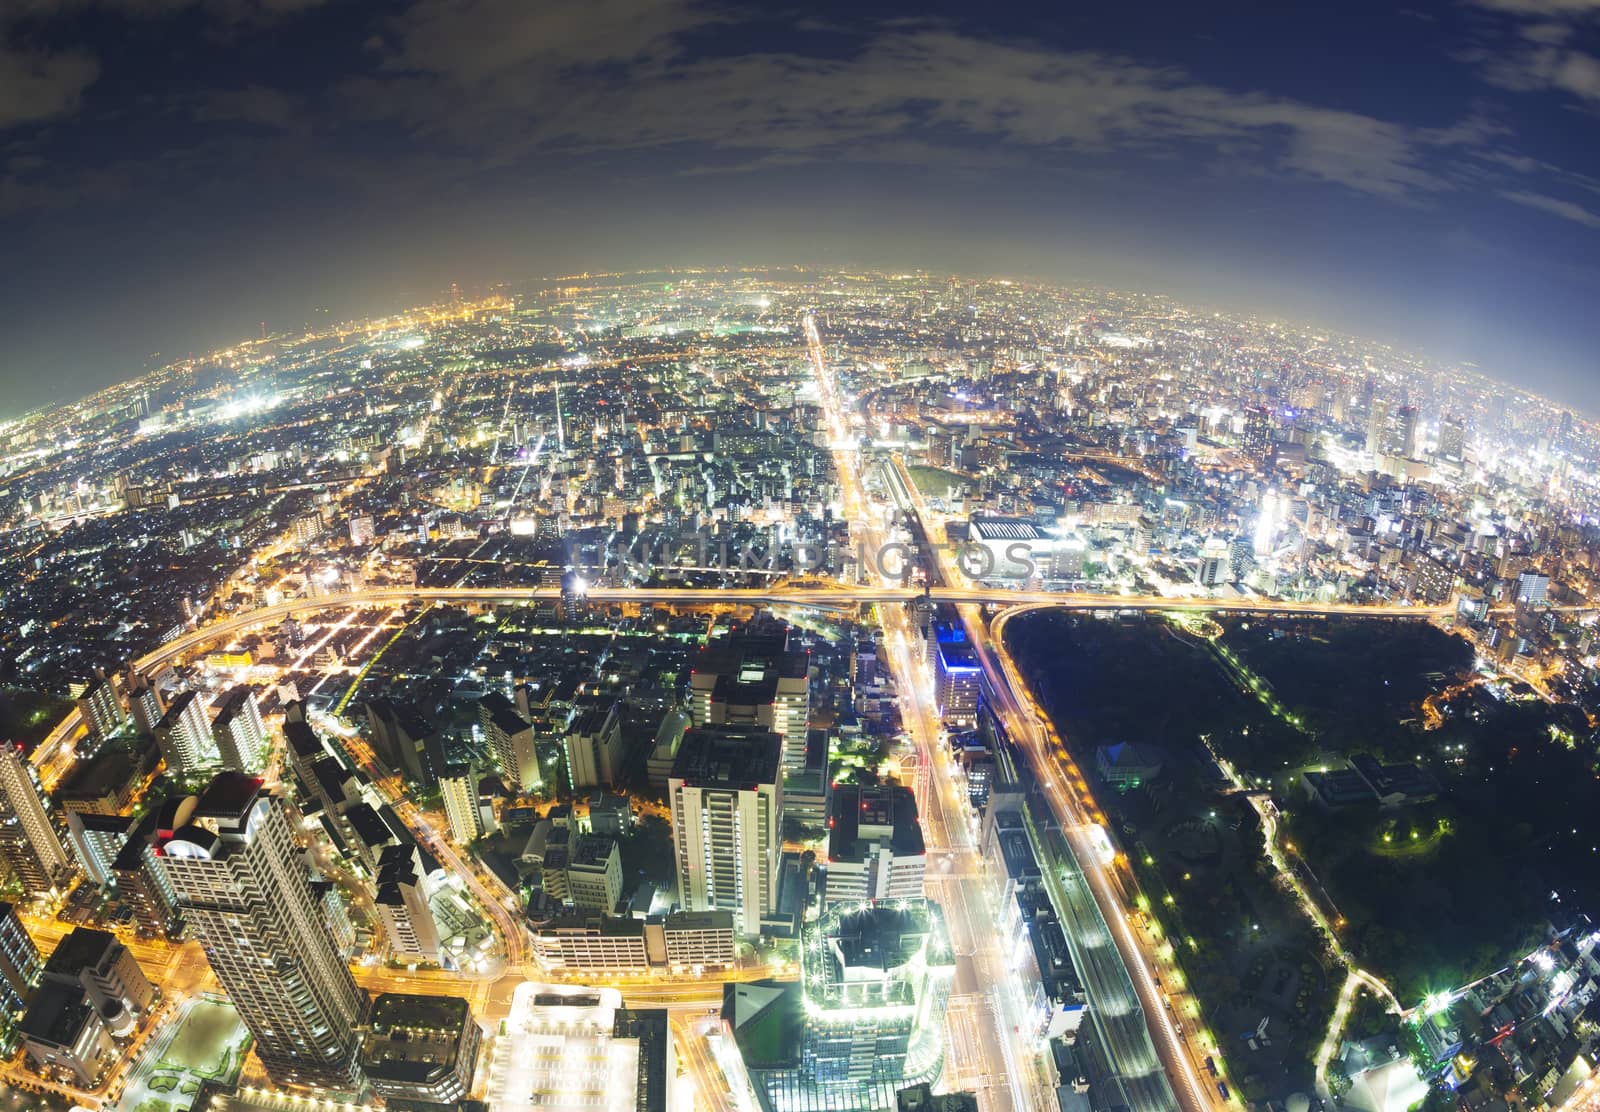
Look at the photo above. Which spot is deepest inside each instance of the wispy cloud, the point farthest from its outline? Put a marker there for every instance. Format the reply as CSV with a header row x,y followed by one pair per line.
x,y
547,78
1555,206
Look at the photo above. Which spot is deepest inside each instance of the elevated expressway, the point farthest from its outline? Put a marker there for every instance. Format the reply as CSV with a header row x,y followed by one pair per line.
x,y
55,747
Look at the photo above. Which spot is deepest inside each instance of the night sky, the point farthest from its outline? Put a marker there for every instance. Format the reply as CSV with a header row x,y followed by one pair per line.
x,y
174,173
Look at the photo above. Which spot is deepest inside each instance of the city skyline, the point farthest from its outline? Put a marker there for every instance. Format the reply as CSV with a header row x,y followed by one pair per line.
x,y
681,555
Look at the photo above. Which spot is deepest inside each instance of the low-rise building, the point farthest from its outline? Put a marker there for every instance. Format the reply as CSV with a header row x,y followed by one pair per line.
x,y
596,945
579,1048
64,1034
422,1051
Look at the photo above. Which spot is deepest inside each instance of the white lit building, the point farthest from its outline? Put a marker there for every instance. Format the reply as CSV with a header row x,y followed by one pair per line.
x,y
569,1049
726,791
184,734
239,732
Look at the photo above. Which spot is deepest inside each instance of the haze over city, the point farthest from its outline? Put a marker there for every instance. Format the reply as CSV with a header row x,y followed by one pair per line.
x,y
176,173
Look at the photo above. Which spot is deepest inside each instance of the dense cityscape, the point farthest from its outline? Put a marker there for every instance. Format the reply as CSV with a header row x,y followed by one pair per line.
x,y
789,689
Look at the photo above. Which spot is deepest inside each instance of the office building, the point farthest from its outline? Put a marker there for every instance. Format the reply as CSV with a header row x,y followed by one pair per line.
x,y
511,742
865,1020
594,748
754,679
421,1052
957,678
28,839
243,889
572,1049
664,750
65,1036
239,733
108,784
1533,589
20,966
594,873
184,734
610,814
726,795
875,847
102,708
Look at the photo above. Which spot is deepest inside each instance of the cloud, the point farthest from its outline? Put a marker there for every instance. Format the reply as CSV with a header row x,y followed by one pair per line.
x,y
515,81
37,85
1566,210
253,104
1544,58
1548,9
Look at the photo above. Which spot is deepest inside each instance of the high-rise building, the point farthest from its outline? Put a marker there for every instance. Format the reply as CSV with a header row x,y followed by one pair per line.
x,y
594,873
28,840
726,792
145,705
405,739
140,872
97,840
402,903
462,808
20,966
102,707
511,741
242,886
1405,432
421,1051
1452,438
184,734
239,733
957,678
573,591
865,1020
594,748
875,847
753,678
1257,433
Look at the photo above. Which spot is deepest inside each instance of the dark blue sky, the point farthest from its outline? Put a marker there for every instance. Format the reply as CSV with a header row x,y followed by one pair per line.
x,y
174,172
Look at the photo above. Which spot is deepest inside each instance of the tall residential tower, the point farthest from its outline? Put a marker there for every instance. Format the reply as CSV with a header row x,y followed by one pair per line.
x,y
243,889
